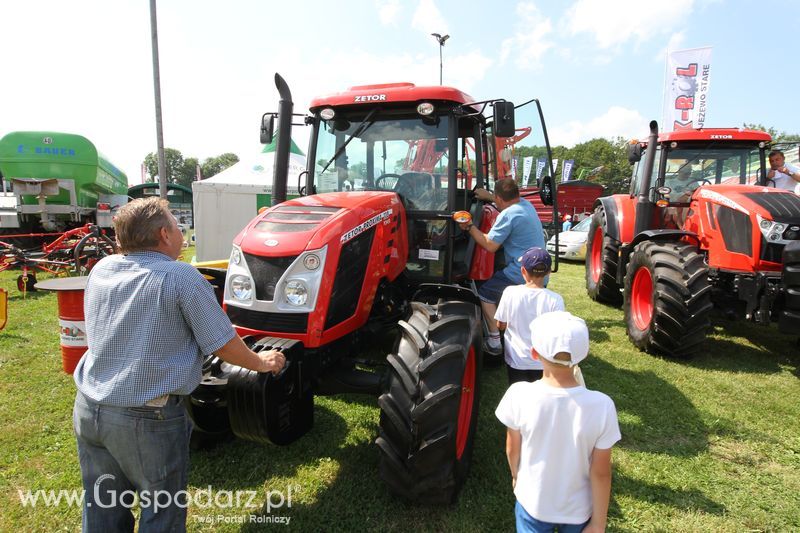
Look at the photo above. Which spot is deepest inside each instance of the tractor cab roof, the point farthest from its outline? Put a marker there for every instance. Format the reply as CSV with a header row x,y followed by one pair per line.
x,y
714,134
390,93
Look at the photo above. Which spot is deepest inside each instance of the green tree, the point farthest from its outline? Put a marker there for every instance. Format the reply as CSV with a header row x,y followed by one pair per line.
x,y
174,161
187,173
214,165
778,136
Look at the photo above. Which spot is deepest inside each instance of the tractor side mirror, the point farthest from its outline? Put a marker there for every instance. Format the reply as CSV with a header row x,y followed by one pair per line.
x,y
503,121
546,190
634,153
267,128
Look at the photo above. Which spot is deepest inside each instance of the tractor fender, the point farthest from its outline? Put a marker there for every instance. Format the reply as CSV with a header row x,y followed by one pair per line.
x,y
434,291
610,207
663,235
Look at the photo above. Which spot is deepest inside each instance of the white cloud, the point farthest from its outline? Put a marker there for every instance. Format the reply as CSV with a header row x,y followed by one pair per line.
x,y
388,11
614,22
616,122
428,18
530,40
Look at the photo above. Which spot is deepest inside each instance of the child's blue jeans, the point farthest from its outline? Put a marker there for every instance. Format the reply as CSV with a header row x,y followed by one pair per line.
x,y
528,524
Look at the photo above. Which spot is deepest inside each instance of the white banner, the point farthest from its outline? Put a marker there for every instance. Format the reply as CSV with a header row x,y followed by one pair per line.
x,y
566,171
686,92
514,168
555,170
527,164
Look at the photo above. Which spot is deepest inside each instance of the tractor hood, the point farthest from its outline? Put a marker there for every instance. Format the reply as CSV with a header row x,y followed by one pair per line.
x,y
298,269
766,202
311,222
752,224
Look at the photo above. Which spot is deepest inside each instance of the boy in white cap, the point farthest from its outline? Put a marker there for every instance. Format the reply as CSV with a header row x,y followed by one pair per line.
x,y
559,435
519,305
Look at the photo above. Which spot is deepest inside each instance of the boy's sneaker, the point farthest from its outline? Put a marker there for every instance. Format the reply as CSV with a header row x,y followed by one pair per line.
x,y
490,349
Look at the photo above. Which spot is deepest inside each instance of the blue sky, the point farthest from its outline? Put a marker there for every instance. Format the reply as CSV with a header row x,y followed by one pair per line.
x,y
597,66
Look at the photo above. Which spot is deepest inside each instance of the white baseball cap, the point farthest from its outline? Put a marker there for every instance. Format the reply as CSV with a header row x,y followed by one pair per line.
x,y
559,331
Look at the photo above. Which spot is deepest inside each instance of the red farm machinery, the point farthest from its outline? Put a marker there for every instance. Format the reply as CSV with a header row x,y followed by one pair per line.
x,y
702,227
368,262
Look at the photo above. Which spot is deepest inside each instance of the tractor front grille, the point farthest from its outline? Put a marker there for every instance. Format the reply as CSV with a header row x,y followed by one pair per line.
x,y
273,322
266,272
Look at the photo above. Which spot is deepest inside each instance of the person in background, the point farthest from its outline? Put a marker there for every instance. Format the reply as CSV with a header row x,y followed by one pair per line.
x,y
784,175
150,320
517,229
567,225
518,307
559,435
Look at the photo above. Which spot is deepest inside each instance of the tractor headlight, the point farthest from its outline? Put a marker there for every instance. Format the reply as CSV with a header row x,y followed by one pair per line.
x,y
425,108
236,256
242,287
765,224
296,292
311,262
778,228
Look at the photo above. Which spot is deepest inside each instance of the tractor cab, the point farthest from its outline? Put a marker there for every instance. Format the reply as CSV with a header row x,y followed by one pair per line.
x,y
432,147
685,161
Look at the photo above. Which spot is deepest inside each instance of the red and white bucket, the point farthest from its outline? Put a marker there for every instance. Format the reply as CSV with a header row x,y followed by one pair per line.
x,y
71,322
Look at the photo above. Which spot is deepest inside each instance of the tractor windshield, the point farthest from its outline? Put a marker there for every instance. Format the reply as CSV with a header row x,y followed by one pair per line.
x,y
689,167
384,152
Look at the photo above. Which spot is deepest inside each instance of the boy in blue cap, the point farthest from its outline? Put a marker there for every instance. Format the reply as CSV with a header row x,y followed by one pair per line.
x,y
521,304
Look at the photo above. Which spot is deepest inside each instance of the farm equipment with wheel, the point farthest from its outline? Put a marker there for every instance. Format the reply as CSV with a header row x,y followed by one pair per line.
x,y
368,260
76,250
702,227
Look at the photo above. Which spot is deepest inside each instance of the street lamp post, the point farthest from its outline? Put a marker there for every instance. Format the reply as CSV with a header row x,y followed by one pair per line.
x,y
440,39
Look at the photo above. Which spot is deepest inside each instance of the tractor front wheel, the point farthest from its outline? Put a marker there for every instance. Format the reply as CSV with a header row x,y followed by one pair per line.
x,y
601,261
429,411
667,298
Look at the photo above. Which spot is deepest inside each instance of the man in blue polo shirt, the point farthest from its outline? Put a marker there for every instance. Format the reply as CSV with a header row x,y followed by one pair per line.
x,y
517,229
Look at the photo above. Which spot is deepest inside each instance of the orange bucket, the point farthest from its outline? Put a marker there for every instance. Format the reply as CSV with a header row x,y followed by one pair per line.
x,y
71,322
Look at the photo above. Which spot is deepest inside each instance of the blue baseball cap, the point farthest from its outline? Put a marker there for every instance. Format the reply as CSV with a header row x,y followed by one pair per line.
x,y
536,260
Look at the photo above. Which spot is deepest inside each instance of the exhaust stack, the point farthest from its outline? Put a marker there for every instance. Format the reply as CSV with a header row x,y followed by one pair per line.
x,y
281,169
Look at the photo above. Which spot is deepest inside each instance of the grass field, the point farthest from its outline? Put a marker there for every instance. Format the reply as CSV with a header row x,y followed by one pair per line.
x,y
710,444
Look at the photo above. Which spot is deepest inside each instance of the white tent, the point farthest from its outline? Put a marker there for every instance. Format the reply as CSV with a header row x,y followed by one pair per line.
x,y
225,203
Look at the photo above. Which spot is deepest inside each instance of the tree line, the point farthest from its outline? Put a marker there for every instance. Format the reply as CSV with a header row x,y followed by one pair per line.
x,y
183,171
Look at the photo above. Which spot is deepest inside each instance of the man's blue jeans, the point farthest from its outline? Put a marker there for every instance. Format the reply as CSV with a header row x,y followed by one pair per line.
x,y
125,451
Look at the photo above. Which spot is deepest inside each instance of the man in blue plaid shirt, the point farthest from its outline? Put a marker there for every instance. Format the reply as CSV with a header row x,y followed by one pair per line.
x,y
150,320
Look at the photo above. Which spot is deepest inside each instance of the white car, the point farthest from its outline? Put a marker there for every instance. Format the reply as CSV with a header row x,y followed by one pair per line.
x,y
572,243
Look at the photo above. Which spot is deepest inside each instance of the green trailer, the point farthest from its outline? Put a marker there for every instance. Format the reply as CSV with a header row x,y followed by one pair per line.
x,y
54,181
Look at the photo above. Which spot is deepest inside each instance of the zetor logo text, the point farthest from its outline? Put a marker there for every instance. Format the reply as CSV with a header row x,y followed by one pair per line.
x,y
370,98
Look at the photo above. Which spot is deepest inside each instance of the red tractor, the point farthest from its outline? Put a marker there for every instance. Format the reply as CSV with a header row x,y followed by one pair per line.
x,y
701,227
368,261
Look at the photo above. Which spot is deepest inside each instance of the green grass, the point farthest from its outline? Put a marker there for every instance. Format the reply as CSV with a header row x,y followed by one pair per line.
x,y
709,444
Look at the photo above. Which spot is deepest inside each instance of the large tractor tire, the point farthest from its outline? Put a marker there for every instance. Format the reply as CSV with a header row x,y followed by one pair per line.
x,y
429,411
601,261
667,298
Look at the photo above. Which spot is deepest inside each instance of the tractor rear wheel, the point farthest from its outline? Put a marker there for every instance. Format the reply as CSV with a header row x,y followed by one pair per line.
x,y
601,261
429,411
667,298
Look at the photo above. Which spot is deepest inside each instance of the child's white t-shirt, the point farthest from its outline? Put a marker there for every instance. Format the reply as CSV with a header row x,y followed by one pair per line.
x,y
518,307
560,428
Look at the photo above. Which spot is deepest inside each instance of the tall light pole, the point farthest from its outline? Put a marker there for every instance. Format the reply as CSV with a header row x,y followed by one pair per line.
x,y
441,39
162,162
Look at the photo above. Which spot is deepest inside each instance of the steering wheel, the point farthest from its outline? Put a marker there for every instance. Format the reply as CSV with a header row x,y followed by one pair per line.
x,y
384,177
